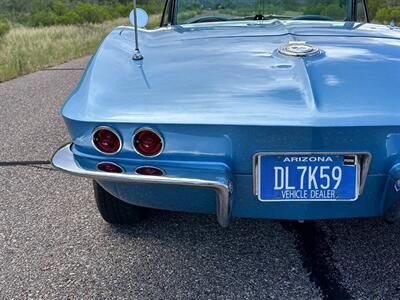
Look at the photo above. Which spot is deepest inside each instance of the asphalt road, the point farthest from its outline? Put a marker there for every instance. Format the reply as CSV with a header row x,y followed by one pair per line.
x,y
53,243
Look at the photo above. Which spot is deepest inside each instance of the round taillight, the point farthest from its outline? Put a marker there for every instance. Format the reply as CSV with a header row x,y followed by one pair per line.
x,y
109,167
153,171
106,140
147,142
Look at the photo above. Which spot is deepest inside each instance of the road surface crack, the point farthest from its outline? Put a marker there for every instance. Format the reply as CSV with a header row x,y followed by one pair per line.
x,y
36,164
317,259
24,163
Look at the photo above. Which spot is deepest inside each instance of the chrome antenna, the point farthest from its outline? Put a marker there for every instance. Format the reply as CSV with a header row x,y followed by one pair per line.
x,y
136,53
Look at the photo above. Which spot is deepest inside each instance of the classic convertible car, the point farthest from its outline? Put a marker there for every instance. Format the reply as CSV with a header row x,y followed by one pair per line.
x,y
243,108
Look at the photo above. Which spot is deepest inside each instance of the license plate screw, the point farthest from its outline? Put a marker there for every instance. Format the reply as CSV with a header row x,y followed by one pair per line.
x,y
349,160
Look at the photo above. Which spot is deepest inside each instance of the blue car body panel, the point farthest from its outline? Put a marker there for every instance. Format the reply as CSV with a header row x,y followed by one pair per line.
x,y
220,93
203,75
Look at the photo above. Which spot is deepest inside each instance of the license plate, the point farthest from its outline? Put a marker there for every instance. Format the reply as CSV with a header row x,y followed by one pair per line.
x,y
307,177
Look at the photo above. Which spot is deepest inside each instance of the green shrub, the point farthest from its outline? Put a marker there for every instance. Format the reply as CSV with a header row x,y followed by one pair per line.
x,y
122,10
71,18
60,8
93,13
386,15
374,6
4,27
43,18
151,6
70,12
335,11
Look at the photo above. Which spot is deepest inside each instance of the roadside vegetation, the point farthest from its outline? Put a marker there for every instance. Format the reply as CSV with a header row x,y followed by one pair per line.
x,y
70,12
26,49
5,27
36,34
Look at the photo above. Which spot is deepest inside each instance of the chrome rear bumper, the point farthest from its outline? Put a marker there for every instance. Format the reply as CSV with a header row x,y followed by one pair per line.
x,y
218,180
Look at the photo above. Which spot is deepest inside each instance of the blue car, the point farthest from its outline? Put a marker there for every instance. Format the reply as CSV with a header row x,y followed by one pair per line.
x,y
269,109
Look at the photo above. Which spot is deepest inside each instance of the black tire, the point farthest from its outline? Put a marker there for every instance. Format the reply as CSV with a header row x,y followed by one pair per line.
x,y
116,211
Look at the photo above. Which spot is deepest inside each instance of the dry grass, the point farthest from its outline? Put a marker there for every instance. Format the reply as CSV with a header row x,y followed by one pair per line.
x,y
24,50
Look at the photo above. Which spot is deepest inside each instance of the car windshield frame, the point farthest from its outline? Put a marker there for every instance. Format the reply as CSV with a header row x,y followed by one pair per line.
x,y
170,12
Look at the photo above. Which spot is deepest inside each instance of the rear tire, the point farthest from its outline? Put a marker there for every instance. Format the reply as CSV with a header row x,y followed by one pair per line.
x,y
116,211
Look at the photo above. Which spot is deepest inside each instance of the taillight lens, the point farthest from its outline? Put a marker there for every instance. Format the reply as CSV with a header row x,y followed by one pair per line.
x,y
153,171
148,142
107,141
109,167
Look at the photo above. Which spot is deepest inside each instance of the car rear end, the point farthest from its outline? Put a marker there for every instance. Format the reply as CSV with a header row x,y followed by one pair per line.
x,y
240,128
209,168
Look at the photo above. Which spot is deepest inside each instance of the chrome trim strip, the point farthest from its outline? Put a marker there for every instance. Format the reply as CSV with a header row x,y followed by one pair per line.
x,y
64,160
113,131
364,159
154,131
